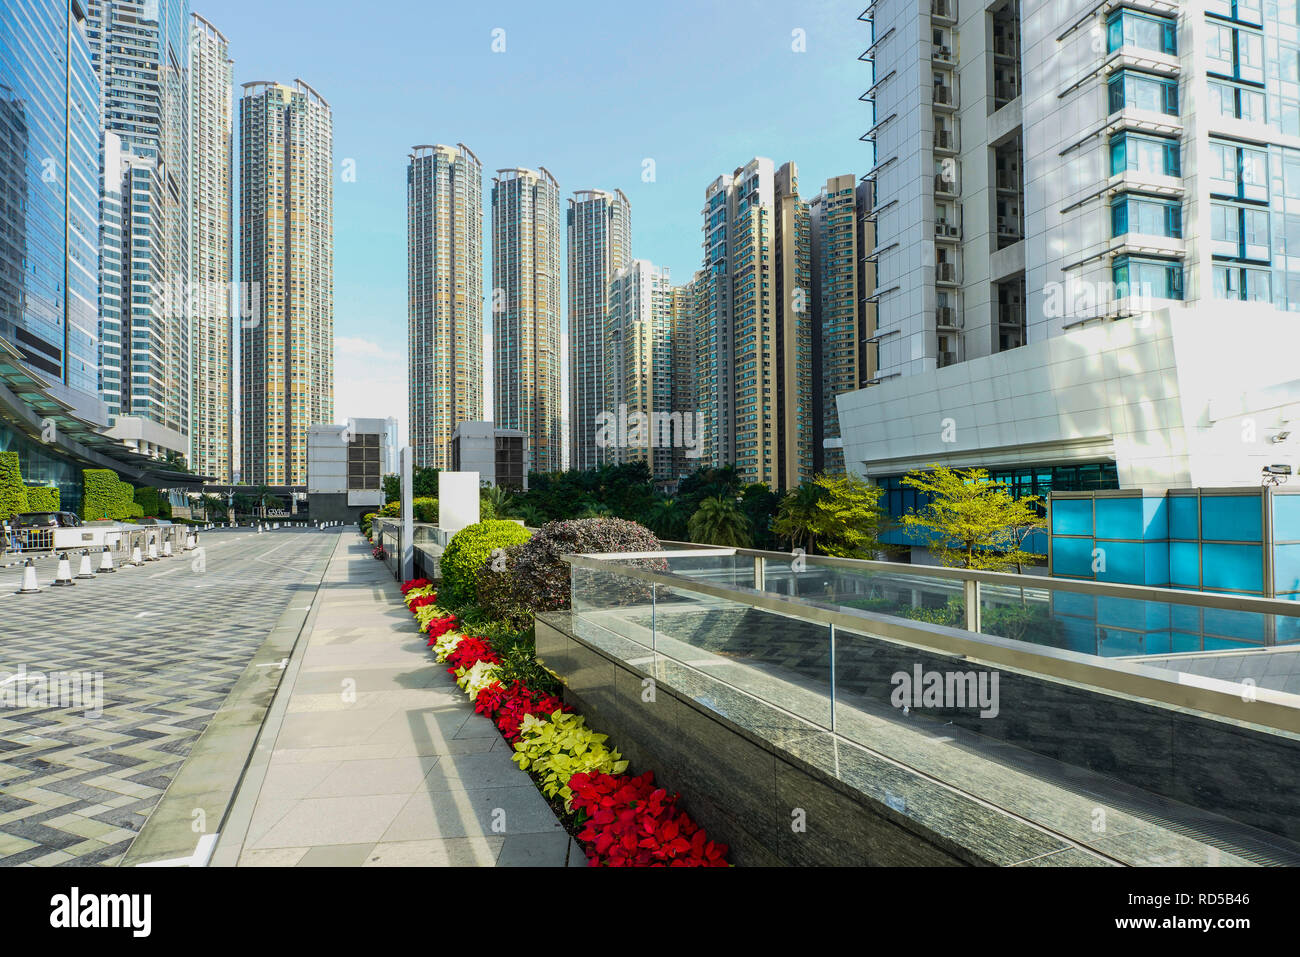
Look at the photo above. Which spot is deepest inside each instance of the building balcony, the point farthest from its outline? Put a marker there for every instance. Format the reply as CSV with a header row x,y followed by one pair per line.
x,y
944,186
941,54
945,96
945,141
947,231
943,10
947,317
945,273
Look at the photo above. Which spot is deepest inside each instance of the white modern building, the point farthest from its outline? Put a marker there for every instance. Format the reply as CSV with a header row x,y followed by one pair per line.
x,y
499,456
346,467
1083,218
637,424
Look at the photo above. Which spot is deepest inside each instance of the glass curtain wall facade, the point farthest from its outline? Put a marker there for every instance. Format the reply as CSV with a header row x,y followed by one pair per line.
x,y
49,215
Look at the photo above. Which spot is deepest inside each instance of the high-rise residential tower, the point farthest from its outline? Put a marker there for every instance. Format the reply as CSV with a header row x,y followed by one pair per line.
x,y
599,244
755,365
526,243
49,147
444,279
844,320
211,251
286,263
638,370
684,304
140,49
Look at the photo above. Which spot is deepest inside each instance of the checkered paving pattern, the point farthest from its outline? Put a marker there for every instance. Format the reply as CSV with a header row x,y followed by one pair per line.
x,y
170,639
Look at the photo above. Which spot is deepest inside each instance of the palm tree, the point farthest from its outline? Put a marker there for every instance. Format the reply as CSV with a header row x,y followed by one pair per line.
x,y
667,518
502,500
798,516
718,521
530,515
596,510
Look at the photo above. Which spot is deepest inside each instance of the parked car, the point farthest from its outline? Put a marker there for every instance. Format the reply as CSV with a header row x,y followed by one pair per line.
x,y
46,520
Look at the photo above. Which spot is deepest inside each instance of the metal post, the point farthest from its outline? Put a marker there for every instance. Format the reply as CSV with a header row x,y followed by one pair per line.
x,y
832,628
407,540
971,588
654,593
760,583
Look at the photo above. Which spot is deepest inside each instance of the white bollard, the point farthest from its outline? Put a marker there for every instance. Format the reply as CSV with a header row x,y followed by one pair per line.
x,y
30,585
259,529
152,556
167,548
106,562
85,571
135,556
63,576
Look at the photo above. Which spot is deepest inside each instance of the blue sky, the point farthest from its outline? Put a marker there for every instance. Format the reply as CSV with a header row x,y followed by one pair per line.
x,y
588,90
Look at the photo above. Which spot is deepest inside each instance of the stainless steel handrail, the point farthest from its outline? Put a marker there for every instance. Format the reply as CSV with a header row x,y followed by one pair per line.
x,y
1261,706
1226,602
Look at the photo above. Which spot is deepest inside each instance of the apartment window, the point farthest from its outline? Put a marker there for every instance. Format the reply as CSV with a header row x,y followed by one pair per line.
x,y
1143,91
1146,215
1246,11
1241,232
1242,283
1234,52
1158,278
1238,171
1236,102
1134,152
1128,28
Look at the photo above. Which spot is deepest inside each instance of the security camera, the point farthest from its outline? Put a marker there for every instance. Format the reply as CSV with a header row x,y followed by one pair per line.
x,y
1277,469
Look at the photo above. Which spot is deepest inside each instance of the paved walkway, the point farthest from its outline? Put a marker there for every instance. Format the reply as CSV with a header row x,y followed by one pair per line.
x,y
163,646
371,756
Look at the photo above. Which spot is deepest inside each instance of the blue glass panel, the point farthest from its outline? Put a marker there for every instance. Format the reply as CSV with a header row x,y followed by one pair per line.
x,y
1184,565
1185,618
1119,518
1115,643
1183,641
1155,518
1242,625
1072,557
1286,518
1073,603
1157,643
1233,568
1123,562
1157,564
1080,635
1286,568
1072,516
1233,518
1121,613
1182,517
1036,542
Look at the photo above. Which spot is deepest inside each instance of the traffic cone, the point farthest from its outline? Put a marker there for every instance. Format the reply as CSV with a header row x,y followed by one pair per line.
x,y
85,571
106,562
30,585
63,576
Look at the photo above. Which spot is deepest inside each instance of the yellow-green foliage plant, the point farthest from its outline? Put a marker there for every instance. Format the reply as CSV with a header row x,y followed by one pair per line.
x,y
446,644
558,747
475,679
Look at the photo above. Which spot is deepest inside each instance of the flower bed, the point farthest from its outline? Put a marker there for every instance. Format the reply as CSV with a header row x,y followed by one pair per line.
x,y
619,820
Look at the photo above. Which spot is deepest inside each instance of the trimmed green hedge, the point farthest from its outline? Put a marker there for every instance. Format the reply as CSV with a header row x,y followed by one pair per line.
x,y
467,552
107,496
13,494
151,503
42,498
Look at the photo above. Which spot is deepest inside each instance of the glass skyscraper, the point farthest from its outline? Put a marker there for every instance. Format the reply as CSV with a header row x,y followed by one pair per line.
x,y
49,219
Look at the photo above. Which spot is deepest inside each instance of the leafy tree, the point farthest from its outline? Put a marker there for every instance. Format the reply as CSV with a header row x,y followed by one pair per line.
x,y
499,500
797,517
667,518
760,504
971,520
392,487
847,516
708,483
719,521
